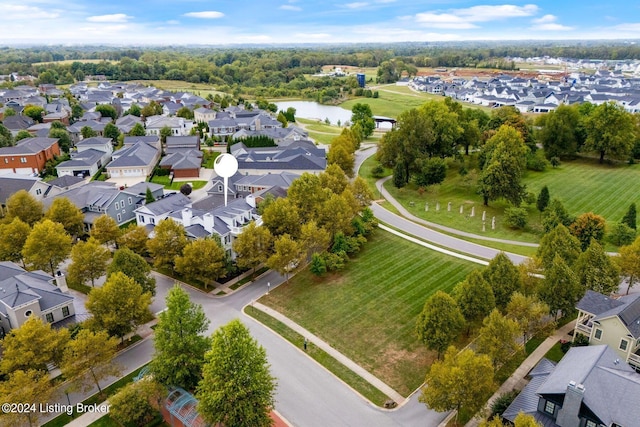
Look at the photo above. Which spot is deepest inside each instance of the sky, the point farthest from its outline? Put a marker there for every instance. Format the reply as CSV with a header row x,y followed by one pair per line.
x,y
207,22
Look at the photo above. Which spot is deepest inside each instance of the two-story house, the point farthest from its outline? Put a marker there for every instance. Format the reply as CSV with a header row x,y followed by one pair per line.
x,y
590,387
29,156
91,155
615,322
32,293
178,125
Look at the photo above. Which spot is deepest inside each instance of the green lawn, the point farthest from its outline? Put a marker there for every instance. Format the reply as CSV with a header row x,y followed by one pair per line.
x,y
164,180
209,158
368,311
365,172
318,126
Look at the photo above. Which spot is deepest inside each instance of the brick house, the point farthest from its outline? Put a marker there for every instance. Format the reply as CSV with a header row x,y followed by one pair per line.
x,y
29,156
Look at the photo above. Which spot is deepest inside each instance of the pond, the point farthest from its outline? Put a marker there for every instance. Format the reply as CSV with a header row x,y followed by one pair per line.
x,y
314,111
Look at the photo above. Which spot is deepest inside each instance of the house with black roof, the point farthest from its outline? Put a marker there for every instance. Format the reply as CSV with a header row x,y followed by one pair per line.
x,y
612,321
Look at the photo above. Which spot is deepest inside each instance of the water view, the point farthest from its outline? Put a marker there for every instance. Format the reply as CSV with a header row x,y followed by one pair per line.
x,y
314,111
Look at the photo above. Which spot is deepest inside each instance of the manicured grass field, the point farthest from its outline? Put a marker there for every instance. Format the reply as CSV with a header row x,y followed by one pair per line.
x,y
175,185
318,126
200,89
368,311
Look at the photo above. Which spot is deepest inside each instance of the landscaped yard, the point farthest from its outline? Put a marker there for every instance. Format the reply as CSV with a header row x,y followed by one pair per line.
x,y
368,311
175,185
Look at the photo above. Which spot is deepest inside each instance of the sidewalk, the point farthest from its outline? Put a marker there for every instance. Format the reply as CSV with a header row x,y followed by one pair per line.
x,y
397,397
517,380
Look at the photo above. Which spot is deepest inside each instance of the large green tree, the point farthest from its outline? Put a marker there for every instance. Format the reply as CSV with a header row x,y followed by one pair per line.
x,y
119,306
588,226
498,338
440,322
597,271
63,211
282,217
462,381
236,389
105,230
503,277
179,341
474,297
286,257
135,238
252,246
558,242
23,205
137,403
504,168
89,261
363,117
47,246
167,243
22,387
558,132
6,138
13,237
628,261
134,266
190,262
560,288
610,131
530,313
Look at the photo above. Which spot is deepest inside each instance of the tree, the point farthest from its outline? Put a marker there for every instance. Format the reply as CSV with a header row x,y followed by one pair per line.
x,y
22,134
529,312
66,213
237,388
362,116
282,217
22,387
88,261
559,132
107,110
35,112
462,381
558,242
282,119
151,109
341,154
621,234
105,230
252,246
596,270
119,306
432,171
134,110
521,420
516,218
167,244
440,322
179,341
62,135
554,215
87,132
6,138
503,277
560,288
135,238
361,192
628,261
23,205
313,239
133,266
148,197
308,195
47,246
286,257
33,346
505,166
137,403
586,227
137,130
185,112
111,131
88,359
498,338
76,111
610,131
165,131
13,237
543,199
186,189
474,297
190,263
630,217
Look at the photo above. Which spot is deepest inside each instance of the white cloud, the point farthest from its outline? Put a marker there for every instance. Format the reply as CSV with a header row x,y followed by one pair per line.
x,y
545,19
19,11
356,5
207,14
303,37
290,7
632,27
462,19
116,17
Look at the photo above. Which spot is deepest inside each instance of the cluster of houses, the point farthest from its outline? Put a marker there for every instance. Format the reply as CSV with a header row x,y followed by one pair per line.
x,y
533,95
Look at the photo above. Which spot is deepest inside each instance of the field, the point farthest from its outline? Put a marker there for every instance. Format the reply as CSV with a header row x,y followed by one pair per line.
x,y
200,89
71,61
583,185
368,311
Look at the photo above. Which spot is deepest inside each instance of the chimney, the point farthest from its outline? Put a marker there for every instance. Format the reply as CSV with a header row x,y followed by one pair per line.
x,y
569,414
61,281
251,200
208,222
186,217
258,124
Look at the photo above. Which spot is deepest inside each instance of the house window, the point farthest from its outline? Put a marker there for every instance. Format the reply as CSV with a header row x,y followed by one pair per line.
x,y
590,423
6,160
140,219
119,218
49,317
624,344
117,205
219,187
65,311
153,220
28,313
130,201
38,192
23,160
598,334
549,407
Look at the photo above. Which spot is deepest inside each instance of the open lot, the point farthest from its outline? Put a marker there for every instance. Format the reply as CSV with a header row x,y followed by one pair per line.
x,y
368,311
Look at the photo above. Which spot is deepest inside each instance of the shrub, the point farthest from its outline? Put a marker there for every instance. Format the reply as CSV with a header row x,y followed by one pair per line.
x,y
186,189
516,218
502,403
318,265
536,161
621,234
377,172
433,171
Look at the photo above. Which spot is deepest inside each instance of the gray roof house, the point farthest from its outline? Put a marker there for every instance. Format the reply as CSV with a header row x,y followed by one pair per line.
x,y
97,198
91,155
611,321
134,160
17,123
589,387
298,157
32,293
178,125
126,123
12,183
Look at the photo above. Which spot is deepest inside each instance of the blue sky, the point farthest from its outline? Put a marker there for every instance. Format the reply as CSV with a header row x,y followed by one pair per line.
x,y
162,22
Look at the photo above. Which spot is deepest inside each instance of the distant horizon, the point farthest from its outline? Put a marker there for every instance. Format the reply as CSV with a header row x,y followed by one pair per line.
x,y
153,23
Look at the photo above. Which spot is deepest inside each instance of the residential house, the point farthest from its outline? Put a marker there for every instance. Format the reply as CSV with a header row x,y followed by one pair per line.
x,y
184,157
611,321
281,136
589,387
17,123
64,183
91,155
203,115
298,157
32,293
126,123
97,198
12,183
178,125
136,160
29,156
